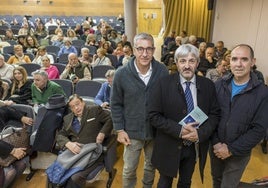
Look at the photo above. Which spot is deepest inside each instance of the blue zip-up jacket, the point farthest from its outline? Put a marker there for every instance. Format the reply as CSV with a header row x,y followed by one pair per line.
x,y
244,118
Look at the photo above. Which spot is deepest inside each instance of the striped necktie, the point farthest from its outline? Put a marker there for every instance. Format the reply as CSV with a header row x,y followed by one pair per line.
x,y
190,106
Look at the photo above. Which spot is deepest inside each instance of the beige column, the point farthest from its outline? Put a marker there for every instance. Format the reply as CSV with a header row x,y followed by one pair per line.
x,y
130,14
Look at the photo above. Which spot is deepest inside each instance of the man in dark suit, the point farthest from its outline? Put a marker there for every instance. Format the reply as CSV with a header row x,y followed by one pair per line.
x,y
173,152
82,126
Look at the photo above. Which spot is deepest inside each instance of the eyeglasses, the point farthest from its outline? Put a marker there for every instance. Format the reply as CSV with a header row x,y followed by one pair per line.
x,y
148,50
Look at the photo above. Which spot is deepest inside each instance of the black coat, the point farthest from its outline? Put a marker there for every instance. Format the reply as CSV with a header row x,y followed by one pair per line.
x,y
48,121
167,108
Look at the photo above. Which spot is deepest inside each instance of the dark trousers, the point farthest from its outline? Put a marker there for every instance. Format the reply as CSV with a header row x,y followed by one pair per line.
x,y
227,173
186,169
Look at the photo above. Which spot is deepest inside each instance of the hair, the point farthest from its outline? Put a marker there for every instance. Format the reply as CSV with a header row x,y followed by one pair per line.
x,y
102,51
185,50
219,62
109,73
143,36
41,73
84,49
17,47
248,46
26,43
74,96
23,71
228,52
45,57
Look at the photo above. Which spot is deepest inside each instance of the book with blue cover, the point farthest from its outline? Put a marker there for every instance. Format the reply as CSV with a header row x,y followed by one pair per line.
x,y
196,115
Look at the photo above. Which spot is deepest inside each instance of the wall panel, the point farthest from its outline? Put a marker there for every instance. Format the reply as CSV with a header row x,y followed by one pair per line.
x,y
62,7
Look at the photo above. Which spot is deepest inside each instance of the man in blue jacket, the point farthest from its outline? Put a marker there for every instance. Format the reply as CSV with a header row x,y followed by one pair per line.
x,y
244,105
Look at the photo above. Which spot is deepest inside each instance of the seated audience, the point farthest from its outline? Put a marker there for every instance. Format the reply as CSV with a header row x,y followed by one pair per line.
x,y
107,46
5,69
75,70
57,40
11,173
42,88
124,40
78,29
100,58
20,41
52,71
67,48
219,71
114,37
208,62
19,56
103,97
119,50
78,130
167,40
31,44
202,49
128,54
170,50
86,57
9,35
219,50
71,35
184,37
20,91
42,51
40,31
193,40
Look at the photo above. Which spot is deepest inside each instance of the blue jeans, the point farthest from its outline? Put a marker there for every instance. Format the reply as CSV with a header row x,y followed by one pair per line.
x,y
131,160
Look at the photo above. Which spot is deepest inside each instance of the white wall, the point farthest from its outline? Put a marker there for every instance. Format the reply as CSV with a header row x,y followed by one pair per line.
x,y
243,21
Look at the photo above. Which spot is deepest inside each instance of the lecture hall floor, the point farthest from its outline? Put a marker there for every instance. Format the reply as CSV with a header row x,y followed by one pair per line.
x,y
257,167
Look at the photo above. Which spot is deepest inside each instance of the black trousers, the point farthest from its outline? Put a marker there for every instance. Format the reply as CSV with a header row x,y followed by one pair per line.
x,y
186,169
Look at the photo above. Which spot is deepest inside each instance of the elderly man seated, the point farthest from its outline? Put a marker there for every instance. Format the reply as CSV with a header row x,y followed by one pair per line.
x,y
84,125
75,70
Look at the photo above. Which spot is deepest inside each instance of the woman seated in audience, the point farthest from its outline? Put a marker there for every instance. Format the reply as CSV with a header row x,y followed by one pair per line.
x,y
71,34
31,44
20,40
8,175
114,37
19,56
103,97
100,58
52,71
20,91
119,50
91,41
40,31
57,36
67,48
107,46
202,49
